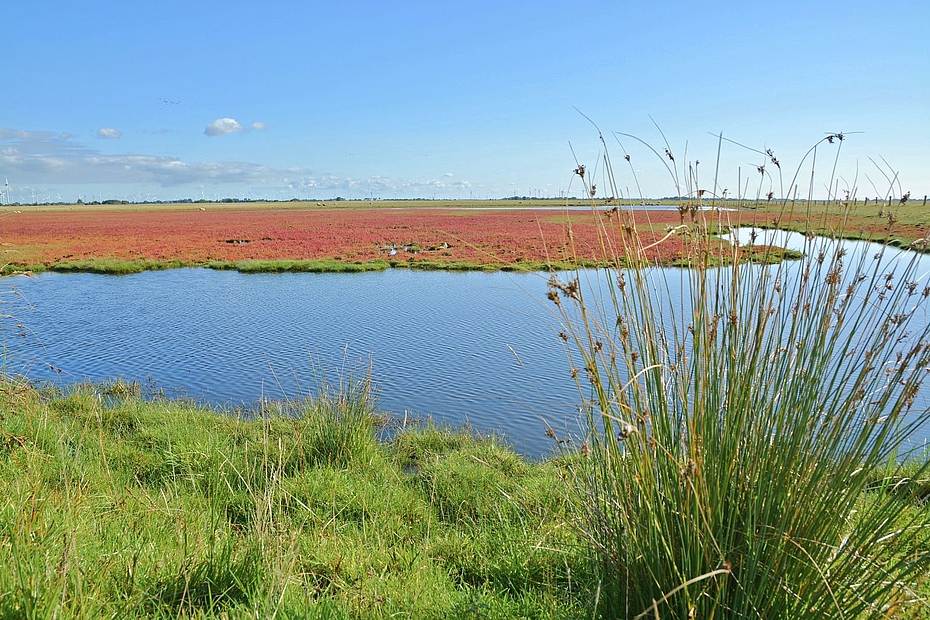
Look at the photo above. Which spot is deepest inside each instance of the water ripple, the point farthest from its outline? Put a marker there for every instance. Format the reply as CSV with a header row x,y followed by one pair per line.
x,y
459,347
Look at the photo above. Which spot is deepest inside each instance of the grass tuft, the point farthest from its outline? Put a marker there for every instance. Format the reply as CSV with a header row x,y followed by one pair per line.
x,y
738,415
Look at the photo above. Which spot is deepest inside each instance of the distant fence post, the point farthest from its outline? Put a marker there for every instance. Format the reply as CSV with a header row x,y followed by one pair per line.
x,y
925,200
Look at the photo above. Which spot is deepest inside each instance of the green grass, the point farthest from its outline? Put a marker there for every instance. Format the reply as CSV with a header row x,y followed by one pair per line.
x,y
20,268
113,266
114,506
117,506
123,267
301,266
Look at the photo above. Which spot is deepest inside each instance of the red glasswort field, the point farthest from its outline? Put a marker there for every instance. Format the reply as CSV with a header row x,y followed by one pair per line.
x,y
497,237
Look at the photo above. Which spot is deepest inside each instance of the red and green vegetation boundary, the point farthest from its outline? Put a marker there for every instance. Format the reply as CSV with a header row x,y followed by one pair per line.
x,y
365,235
295,238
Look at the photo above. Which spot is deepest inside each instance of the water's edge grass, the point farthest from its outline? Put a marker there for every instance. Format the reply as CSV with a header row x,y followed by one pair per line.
x,y
119,505
111,266
116,267
736,428
114,505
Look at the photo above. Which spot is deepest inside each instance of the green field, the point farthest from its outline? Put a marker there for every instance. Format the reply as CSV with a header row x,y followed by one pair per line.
x,y
117,507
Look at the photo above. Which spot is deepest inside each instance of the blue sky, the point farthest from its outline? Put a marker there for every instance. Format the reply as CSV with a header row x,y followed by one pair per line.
x,y
183,99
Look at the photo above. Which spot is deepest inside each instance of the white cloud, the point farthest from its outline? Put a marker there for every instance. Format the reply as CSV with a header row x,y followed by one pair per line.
x,y
17,144
33,137
19,134
306,181
449,174
259,126
49,157
222,127
109,132
57,159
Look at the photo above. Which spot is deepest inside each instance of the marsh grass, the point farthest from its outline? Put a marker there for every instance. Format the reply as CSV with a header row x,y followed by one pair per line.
x,y
117,505
109,266
302,266
748,452
114,266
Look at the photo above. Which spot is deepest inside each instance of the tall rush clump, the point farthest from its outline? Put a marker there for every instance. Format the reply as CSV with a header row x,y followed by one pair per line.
x,y
737,416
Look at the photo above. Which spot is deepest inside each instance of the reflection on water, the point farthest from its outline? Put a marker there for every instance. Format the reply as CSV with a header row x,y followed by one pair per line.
x,y
471,348
460,347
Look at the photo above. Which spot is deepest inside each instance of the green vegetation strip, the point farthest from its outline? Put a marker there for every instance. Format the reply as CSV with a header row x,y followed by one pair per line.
x,y
301,266
105,266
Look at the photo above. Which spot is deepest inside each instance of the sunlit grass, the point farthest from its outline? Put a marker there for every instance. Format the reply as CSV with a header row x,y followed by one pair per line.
x,y
116,506
747,427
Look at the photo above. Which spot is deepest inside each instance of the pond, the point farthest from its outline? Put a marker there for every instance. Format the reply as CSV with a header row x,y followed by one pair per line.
x,y
475,348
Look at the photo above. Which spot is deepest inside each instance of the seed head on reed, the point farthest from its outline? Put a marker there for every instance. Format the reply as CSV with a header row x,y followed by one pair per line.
x,y
737,417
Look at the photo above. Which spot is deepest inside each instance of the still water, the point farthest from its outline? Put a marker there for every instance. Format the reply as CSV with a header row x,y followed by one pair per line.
x,y
475,348
458,347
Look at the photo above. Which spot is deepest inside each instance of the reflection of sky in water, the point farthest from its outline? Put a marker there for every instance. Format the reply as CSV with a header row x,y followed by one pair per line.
x,y
472,347
460,347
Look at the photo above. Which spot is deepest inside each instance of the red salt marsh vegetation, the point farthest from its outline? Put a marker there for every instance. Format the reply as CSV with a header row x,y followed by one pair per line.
x,y
216,235
418,234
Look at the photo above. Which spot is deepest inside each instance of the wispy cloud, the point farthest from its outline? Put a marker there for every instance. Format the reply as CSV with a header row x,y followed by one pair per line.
x,y
375,183
50,157
19,143
53,159
109,132
222,127
164,171
259,126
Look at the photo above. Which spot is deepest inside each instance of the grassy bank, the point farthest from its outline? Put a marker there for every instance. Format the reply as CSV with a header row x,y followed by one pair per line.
x,y
117,507
116,267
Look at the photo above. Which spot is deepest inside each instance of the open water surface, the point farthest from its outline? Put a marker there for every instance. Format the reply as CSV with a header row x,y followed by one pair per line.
x,y
473,348
459,347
